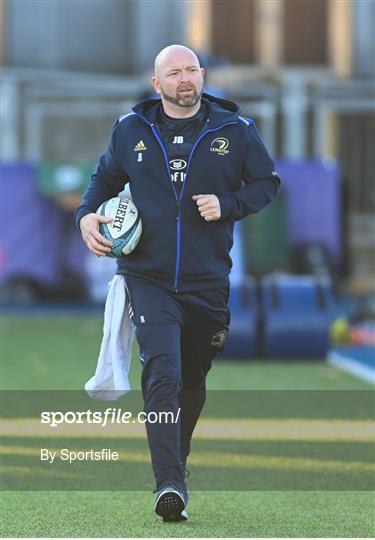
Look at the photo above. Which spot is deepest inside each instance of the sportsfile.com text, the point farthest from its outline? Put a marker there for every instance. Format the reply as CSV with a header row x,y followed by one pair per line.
x,y
109,416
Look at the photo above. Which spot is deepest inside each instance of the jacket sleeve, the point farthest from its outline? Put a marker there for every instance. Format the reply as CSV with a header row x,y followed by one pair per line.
x,y
107,182
260,181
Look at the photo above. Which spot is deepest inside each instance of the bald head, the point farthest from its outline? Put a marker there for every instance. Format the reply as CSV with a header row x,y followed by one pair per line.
x,y
173,54
178,79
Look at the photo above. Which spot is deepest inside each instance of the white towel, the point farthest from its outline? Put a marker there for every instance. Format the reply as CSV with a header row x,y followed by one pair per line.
x,y
111,379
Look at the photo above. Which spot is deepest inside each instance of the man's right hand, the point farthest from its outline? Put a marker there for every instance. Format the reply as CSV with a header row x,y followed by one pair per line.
x,y
95,241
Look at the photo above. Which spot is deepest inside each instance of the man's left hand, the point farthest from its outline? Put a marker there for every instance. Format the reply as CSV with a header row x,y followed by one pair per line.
x,y
208,206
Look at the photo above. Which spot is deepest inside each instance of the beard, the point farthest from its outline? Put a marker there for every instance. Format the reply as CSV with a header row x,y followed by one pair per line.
x,y
182,99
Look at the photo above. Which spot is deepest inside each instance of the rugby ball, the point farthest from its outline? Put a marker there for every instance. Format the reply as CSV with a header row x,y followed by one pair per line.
x,y
125,229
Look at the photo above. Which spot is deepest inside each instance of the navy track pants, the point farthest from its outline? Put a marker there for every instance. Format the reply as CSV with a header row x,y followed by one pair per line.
x,y
179,334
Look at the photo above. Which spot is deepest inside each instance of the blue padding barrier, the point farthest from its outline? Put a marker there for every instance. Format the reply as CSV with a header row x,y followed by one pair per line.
x,y
296,315
359,360
241,341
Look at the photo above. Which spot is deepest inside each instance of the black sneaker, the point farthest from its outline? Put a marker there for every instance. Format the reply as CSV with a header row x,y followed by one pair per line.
x,y
170,504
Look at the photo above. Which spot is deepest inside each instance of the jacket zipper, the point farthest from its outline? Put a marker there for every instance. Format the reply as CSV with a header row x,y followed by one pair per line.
x,y
179,198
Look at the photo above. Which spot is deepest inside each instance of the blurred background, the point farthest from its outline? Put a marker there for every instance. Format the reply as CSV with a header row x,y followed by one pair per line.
x,y
304,70
302,337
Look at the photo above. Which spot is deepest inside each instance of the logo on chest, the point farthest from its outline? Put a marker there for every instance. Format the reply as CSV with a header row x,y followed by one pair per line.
x,y
140,147
220,146
177,164
178,167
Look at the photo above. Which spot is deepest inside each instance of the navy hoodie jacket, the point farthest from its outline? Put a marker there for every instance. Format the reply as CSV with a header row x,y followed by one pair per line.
x,y
178,248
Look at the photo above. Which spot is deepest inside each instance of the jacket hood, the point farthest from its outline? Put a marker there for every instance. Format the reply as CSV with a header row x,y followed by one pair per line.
x,y
221,110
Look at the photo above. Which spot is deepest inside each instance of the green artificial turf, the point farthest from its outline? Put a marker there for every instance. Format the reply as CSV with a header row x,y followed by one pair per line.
x,y
61,352
212,514
258,488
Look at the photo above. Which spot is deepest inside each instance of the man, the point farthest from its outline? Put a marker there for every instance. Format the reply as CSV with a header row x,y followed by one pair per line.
x,y
195,166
